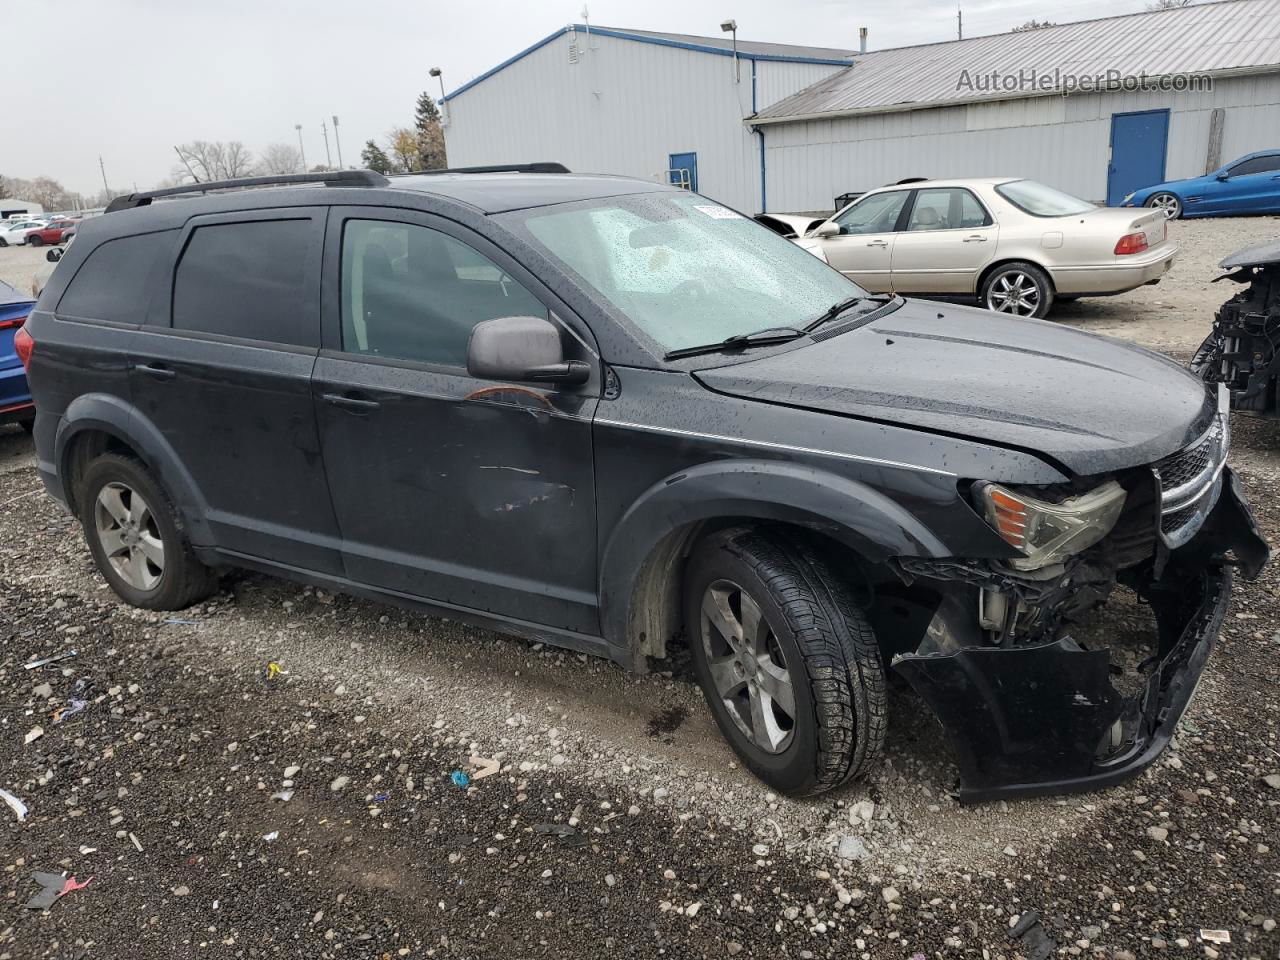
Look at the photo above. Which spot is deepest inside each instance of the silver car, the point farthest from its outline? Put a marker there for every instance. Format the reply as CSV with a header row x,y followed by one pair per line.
x,y
1016,245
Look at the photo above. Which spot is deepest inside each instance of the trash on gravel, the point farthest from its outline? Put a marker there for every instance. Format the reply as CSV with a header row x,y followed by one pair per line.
x,y
1035,943
35,733
273,835
561,831
47,660
482,767
70,710
1216,936
136,842
379,798
460,779
17,806
53,886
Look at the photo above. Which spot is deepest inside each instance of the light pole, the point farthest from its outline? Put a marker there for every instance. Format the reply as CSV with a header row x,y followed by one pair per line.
x,y
301,149
337,142
731,26
435,72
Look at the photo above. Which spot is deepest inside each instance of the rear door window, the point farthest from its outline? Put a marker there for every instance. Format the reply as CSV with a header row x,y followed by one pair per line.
x,y
251,280
116,281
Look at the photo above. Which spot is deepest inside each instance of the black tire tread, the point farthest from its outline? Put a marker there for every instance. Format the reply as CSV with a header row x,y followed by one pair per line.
x,y
1026,266
841,656
191,580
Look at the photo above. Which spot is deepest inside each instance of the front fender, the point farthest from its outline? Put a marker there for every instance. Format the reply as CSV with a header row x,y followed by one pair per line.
x,y
849,511
117,418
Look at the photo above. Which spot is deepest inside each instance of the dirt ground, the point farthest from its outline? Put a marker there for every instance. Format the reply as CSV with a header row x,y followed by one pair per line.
x,y
226,808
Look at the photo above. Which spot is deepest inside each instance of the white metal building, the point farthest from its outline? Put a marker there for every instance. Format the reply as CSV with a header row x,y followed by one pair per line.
x,y
9,206
653,105
945,109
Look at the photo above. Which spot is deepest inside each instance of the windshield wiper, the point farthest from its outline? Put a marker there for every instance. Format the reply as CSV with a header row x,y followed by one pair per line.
x,y
740,341
834,311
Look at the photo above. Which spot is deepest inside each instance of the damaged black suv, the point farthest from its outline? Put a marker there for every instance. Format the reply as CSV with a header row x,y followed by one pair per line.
x,y
618,416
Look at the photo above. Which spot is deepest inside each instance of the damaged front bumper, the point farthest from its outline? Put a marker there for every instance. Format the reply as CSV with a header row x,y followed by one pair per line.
x,y
1044,718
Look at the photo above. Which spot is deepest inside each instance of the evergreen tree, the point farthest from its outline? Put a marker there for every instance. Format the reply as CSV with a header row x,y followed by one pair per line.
x,y
375,158
429,133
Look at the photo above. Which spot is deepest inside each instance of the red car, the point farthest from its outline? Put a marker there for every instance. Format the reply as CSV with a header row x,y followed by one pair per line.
x,y
55,232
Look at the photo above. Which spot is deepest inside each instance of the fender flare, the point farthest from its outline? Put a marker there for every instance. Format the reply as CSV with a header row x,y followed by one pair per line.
x,y
847,510
117,418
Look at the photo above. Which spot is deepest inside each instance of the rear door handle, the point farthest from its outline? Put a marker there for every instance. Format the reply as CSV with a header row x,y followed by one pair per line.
x,y
156,372
353,404
975,239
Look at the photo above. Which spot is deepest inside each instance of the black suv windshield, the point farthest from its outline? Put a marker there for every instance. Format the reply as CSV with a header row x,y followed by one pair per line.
x,y
686,270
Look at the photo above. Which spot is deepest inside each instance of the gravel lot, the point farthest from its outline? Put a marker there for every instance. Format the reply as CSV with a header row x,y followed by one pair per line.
x,y
169,787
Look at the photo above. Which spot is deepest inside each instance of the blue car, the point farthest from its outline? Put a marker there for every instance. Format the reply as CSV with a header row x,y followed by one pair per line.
x,y
15,398
1248,185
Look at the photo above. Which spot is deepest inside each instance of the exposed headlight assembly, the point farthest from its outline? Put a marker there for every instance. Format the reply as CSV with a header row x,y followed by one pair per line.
x,y
1048,533
1127,198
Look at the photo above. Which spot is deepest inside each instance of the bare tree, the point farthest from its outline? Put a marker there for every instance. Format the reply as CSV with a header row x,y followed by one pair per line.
x,y
1032,25
280,158
215,160
46,191
1168,4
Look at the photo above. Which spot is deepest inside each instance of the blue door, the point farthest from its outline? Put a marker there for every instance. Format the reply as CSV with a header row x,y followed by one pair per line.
x,y
1138,142
682,170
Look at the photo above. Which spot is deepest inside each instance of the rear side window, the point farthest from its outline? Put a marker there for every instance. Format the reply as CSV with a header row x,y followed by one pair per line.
x,y
116,280
249,280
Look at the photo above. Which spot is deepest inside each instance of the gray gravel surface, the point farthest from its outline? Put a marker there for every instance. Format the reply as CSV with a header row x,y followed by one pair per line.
x,y
618,823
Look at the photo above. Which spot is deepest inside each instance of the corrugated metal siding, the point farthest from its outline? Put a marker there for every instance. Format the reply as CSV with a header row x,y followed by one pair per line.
x,y
623,108
1236,34
1063,142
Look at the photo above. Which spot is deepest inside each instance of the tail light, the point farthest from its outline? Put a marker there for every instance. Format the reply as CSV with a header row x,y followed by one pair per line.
x,y
1131,243
23,345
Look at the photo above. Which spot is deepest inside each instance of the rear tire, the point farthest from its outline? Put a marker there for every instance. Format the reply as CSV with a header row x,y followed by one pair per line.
x,y
28,425
136,538
1021,289
789,665
34,241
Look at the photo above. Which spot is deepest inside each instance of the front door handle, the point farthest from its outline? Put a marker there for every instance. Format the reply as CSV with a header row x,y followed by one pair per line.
x,y
975,239
157,371
878,243
353,404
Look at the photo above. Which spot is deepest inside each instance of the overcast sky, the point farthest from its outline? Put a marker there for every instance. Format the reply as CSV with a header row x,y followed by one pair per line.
x,y
127,79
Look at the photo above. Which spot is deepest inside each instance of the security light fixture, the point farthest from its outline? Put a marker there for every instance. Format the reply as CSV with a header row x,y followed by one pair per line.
x,y
731,26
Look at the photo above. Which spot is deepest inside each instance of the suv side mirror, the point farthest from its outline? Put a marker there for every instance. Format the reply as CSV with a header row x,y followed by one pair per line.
x,y
54,254
524,350
826,230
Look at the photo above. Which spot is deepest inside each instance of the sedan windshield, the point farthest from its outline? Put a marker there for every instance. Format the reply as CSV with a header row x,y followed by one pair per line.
x,y
686,270
1041,201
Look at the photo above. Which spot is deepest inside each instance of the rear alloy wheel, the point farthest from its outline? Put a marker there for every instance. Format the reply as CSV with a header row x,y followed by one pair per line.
x,y
787,663
1022,289
34,241
1166,203
133,534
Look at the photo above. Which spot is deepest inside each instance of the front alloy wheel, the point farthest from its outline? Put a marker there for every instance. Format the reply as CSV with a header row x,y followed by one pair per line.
x,y
1166,203
787,662
747,666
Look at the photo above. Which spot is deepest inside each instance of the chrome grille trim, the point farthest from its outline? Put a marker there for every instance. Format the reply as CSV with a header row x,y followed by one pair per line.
x,y
1190,480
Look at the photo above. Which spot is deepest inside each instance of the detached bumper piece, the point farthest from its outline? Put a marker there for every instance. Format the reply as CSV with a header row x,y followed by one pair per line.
x,y
1044,718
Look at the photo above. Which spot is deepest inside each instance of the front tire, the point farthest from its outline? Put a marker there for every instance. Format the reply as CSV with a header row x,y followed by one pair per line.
x,y
135,537
1022,289
34,241
1168,203
788,664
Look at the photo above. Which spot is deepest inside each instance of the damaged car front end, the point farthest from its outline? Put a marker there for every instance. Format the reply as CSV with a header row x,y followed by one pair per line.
x,y
1016,656
1241,350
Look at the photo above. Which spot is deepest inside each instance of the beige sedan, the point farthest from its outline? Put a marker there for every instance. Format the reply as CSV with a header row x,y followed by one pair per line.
x,y
1016,245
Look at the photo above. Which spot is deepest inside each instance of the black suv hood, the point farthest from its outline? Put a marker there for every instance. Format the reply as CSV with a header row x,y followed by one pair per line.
x,y
1089,403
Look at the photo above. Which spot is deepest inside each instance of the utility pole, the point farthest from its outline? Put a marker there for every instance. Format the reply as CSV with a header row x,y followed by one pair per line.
x,y
959,23
337,142
301,149
328,157
103,168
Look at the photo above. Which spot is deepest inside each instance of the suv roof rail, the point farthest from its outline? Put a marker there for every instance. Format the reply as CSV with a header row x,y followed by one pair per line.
x,y
331,178
542,166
